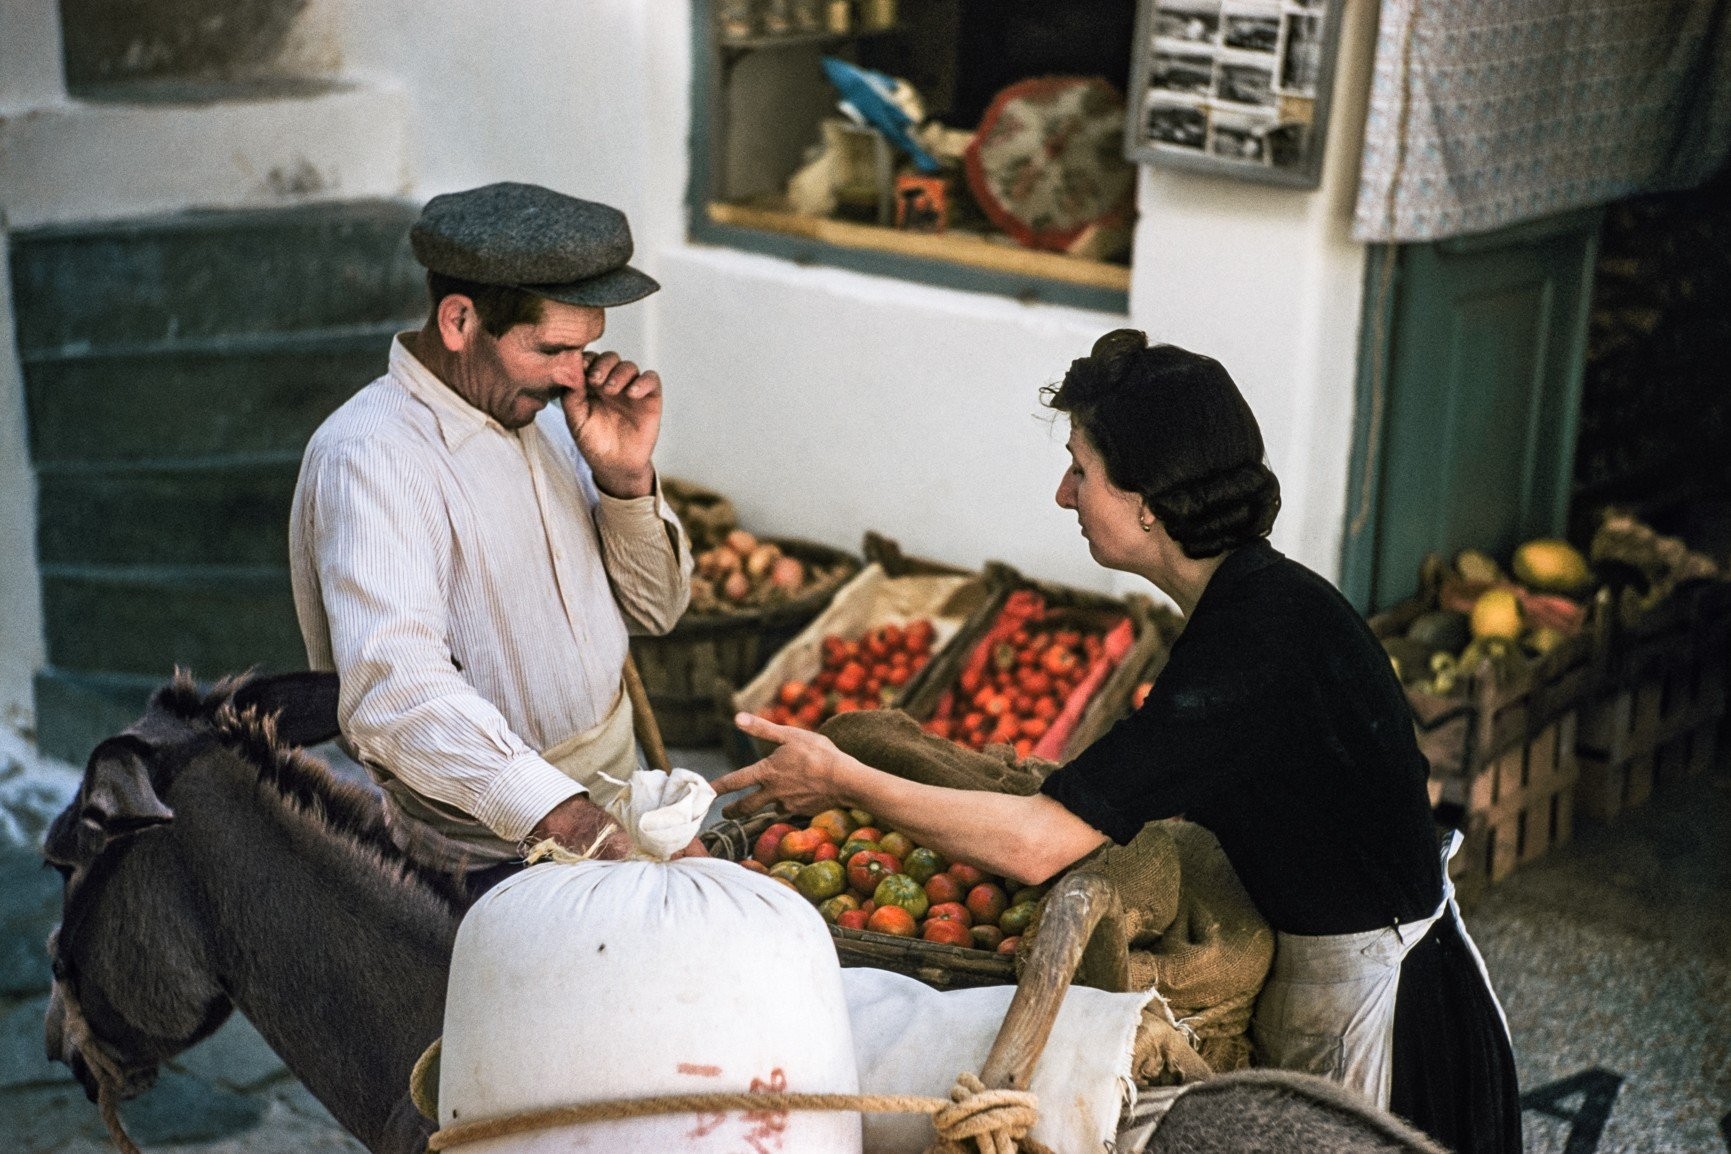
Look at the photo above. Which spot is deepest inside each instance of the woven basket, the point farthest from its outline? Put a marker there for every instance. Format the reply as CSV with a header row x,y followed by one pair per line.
x,y
691,671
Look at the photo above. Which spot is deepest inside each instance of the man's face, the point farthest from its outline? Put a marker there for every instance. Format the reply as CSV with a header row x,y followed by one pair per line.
x,y
515,376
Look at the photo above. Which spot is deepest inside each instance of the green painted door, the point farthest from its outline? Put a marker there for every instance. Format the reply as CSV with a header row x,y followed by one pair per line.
x,y
1469,389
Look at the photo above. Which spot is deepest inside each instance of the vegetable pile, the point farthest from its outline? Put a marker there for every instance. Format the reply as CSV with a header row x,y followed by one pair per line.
x,y
857,673
1029,679
862,878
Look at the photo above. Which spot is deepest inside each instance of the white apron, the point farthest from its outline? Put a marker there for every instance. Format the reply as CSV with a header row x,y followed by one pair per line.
x,y
1328,1005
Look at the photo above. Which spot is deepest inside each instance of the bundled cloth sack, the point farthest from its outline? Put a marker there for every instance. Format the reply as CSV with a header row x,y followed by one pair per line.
x,y
914,1040
579,982
1194,936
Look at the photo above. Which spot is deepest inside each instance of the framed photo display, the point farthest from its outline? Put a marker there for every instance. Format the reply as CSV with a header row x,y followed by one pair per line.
x,y
1238,87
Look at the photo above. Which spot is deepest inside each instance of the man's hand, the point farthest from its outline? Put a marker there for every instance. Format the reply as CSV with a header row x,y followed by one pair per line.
x,y
576,823
804,775
615,419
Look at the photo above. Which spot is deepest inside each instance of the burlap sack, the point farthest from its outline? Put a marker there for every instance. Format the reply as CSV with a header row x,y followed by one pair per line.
x,y
1192,931
892,741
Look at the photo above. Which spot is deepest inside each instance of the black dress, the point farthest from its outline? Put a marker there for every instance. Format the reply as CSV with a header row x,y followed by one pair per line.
x,y
1279,725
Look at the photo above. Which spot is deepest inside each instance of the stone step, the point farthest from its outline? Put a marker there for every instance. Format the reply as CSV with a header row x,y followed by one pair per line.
x,y
224,512
169,399
212,620
201,275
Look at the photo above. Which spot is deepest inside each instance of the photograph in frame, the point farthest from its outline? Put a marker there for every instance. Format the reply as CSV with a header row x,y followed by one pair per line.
x,y
1233,86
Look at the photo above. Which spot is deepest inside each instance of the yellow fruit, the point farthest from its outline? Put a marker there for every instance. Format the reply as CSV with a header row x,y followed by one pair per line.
x,y
1497,613
1550,566
1477,567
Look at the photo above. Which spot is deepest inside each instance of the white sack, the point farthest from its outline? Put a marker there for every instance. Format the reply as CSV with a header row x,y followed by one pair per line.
x,y
662,812
912,1039
596,981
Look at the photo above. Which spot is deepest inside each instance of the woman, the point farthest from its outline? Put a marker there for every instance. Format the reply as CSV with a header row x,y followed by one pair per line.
x,y
1277,723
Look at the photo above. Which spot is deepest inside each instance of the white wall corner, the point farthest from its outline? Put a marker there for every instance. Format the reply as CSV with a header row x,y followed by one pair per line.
x,y
32,73
22,648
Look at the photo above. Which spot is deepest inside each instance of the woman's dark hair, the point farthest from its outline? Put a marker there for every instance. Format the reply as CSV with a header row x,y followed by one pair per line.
x,y
500,307
1171,425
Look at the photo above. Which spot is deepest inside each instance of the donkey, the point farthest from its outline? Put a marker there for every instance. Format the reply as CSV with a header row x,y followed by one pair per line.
x,y
209,865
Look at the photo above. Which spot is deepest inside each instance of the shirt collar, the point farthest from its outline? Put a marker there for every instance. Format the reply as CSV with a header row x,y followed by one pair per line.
x,y
458,419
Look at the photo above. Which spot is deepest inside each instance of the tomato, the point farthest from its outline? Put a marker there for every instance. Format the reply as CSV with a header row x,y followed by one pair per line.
x,y
947,933
825,852
939,726
833,908
852,846
891,920
851,678
767,848
987,902
790,692
852,919
1007,947
809,715
867,868
950,911
801,845
901,890
893,636
1058,660
944,889
986,937
923,864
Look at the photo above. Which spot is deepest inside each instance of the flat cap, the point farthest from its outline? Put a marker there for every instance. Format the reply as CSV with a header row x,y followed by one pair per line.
x,y
532,238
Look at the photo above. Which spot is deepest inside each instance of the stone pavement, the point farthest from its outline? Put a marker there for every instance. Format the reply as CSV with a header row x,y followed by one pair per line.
x,y
1613,958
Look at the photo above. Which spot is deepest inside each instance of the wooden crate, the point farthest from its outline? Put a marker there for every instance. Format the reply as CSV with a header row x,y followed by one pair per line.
x,y
1503,760
1154,628
689,671
1655,717
891,587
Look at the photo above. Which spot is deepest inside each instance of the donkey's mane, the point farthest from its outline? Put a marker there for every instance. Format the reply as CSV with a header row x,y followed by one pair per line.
x,y
306,784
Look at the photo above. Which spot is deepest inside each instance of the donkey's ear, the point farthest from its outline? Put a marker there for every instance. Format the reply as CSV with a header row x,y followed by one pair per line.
x,y
118,797
305,705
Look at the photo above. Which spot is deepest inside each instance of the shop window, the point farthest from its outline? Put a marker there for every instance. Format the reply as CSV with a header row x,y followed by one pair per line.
x,y
1023,188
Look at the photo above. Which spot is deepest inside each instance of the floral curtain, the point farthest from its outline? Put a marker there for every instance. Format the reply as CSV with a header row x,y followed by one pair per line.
x,y
1486,113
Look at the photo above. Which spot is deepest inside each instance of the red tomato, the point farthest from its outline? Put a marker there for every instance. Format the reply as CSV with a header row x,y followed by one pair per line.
x,y
851,679
790,692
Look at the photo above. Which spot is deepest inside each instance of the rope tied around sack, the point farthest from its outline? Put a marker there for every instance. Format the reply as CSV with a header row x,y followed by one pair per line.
x,y
973,1120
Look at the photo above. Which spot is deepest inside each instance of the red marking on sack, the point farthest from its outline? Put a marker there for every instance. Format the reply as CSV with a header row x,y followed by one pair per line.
x,y
699,1071
766,1136
707,1123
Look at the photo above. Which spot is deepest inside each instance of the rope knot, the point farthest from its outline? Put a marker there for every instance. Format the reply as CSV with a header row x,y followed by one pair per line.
x,y
997,1120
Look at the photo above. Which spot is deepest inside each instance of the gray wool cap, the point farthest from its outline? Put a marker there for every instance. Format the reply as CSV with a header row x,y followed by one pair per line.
x,y
532,238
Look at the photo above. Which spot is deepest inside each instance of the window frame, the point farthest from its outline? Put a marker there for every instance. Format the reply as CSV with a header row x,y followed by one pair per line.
x,y
706,143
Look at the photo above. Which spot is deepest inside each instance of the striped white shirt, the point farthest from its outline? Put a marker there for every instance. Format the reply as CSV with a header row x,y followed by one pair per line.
x,y
473,590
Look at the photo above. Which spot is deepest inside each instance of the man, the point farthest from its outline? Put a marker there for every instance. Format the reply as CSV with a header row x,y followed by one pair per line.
x,y
471,571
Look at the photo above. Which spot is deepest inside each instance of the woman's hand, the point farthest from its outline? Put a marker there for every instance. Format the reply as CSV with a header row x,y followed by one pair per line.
x,y
804,775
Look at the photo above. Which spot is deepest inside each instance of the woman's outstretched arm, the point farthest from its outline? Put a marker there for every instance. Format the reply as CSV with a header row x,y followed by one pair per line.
x,y
1025,838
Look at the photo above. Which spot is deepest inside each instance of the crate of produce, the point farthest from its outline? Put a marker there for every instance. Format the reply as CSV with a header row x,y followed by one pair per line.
x,y
1497,667
1044,668
915,889
870,648
749,597
1656,713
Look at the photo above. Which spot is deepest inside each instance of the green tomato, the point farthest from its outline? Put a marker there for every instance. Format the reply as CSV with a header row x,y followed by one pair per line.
x,y
821,880
902,890
1016,918
922,863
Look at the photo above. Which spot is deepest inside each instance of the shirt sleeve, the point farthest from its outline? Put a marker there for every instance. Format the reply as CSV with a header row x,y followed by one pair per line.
x,y
647,558
381,544
1179,752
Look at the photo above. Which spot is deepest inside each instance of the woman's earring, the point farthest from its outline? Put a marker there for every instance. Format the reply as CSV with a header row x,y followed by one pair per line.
x,y
1147,526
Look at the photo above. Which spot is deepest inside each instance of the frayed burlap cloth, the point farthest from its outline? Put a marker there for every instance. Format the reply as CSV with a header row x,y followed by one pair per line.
x,y
1194,936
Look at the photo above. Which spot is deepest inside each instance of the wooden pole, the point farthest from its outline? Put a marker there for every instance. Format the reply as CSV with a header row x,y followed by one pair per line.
x,y
643,719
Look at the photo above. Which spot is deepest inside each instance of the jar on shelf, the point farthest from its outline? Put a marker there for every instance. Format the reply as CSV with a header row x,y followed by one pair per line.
x,y
736,18
838,17
808,16
876,15
776,17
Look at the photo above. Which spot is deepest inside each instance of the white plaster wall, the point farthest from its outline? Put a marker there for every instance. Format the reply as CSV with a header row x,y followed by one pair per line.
x,y
21,643
578,97
825,402
1268,281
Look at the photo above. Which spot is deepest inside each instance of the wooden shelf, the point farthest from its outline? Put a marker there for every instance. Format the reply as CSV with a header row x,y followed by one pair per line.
x,y
955,247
